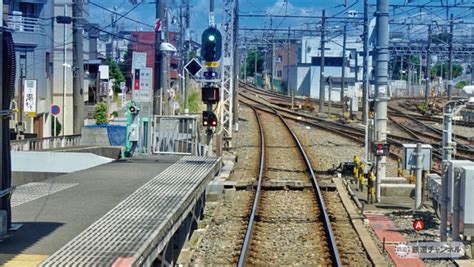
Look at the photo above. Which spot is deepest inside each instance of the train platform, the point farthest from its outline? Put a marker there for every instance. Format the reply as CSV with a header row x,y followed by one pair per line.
x,y
123,213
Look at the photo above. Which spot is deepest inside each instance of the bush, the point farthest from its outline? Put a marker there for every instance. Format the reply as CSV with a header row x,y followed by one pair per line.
x,y
59,126
101,115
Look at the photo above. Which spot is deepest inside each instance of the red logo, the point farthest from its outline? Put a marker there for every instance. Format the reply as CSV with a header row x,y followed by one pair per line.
x,y
418,225
158,25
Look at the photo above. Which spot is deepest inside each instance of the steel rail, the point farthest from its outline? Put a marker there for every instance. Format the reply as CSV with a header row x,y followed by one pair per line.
x,y
325,217
391,112
336,259
248,233
463,152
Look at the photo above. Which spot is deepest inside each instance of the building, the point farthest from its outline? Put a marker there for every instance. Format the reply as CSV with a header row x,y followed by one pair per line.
x,y
145,42
305,76
114,46
44,54
282,54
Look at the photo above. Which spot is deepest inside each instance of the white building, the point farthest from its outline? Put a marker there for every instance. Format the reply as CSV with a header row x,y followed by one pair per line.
x,y
305,76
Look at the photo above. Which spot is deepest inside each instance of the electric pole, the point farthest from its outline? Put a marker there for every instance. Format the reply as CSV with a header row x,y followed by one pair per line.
x,y
158,90
343,73
365,78
322,83
381,87
188,45
288,65
235,105
428,68
451,55
78,69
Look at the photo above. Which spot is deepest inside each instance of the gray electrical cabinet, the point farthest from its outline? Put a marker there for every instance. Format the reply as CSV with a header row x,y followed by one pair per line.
x,y
409,157
467,201
454,169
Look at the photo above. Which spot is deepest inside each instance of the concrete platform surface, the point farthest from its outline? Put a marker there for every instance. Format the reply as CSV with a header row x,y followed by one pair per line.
x,y
58,209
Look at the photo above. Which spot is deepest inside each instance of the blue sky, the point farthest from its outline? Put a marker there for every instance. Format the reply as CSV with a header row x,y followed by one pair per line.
x,y
145,12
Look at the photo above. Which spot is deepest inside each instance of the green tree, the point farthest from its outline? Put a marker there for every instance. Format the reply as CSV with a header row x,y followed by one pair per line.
x,y
116,74
59,126
251,62
101,116
442,69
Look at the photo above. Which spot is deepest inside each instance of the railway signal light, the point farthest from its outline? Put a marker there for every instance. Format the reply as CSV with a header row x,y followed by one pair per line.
x,y
211,45
133,109
209,119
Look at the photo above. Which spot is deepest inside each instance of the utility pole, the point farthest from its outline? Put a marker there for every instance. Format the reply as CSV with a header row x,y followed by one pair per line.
x,y
428,68
322,83
78,69
64,80
235,105
288,65
158,90
365,84
273,58
343,73
187,40
451,55
381,87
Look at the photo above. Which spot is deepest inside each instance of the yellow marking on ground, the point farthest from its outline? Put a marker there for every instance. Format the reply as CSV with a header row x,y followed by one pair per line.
x,y
21,260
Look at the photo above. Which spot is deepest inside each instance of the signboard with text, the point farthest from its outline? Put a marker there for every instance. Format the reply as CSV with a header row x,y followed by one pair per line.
x,y
29,96
143,85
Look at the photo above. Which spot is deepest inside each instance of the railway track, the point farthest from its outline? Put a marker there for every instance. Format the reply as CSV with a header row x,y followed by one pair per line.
x,y
354,133
391,112
278,219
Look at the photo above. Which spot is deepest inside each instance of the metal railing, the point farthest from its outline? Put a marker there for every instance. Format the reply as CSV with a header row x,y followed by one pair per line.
x,y
20,23
33,144
176,135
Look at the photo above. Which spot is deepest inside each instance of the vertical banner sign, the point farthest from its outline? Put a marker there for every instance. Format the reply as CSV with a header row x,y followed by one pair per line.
x,y
144,94
29,103
138,62
136,83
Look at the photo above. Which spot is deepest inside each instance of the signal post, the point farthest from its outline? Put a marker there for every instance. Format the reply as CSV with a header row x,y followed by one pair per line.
x,y
211,53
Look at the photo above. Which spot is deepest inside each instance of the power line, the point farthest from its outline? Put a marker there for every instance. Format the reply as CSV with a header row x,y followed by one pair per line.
x,y
122,37
120,16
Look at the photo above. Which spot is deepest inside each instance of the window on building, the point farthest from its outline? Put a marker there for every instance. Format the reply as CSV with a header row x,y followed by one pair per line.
x,y
328,61
22,64
28,9
46,66
279,73
279,59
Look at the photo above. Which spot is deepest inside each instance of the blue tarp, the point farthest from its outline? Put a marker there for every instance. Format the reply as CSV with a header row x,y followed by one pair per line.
x,y
116,133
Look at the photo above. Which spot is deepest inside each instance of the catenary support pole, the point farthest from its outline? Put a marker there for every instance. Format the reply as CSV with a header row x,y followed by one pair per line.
x,y
158,89
343,70
428,69
451,56
322,84
381,88
365,84
78,68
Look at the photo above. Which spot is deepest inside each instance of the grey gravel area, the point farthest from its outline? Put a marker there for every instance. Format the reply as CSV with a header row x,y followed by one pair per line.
x,y
281,152
327,149
350,247
246,143
289,234
225,231
457,130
